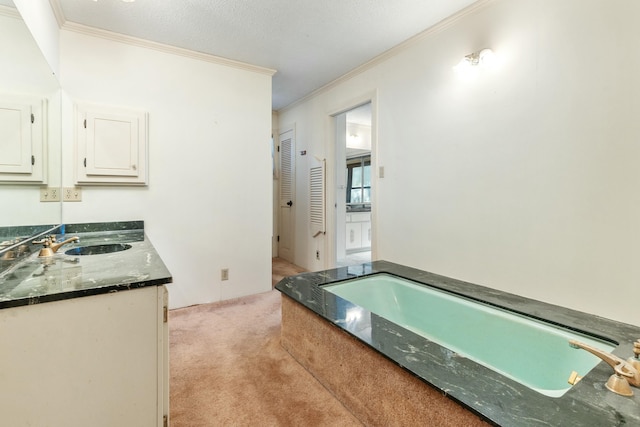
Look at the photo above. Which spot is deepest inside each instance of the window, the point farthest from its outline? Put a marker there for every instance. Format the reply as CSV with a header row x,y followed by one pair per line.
x,y
359,180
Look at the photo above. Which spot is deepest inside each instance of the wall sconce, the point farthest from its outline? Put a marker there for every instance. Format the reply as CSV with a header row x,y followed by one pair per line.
x,y
484,58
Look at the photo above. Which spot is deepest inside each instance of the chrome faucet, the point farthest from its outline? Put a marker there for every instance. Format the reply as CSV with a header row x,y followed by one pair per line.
x,y
50,245
624,371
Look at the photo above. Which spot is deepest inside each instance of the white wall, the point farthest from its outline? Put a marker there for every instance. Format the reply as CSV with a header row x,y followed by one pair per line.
x,y
524,179
43,25
208,202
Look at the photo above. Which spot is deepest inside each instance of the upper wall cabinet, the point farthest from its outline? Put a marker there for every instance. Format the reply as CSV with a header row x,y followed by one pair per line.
x,y
111,145
23,139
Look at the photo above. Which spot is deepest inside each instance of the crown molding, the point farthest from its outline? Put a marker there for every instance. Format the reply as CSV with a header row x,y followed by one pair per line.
x,y
161,47
396,50
10,12
134,41
57,12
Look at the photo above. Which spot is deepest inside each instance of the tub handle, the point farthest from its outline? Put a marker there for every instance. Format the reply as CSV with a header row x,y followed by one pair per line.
x,y
635,360
574,378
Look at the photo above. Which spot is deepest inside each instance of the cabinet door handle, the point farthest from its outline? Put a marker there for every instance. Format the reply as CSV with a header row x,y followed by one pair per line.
x,y
351,236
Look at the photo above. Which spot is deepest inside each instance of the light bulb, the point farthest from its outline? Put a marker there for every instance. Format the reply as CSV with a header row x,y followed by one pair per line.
x,y
487,58
463,66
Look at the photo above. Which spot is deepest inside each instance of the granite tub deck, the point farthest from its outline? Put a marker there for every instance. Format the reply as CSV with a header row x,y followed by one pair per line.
x,y
26,279
314,318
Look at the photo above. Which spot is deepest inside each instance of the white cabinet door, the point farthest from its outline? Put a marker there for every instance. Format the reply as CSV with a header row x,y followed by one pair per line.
x,y
354,235
22,141
91,361
366,234
358,231
111,145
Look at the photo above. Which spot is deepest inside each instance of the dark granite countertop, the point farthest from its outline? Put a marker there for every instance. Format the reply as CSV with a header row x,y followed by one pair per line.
x,y
27,279
358,207
15,234
497,399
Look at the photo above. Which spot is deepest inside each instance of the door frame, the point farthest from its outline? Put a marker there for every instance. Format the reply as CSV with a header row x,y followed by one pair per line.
x,y
331,187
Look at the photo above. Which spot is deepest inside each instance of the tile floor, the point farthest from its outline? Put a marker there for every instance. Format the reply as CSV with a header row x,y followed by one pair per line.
x,y
354,258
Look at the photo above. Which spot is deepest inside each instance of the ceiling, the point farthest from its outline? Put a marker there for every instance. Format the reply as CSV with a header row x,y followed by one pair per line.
x,y
308,42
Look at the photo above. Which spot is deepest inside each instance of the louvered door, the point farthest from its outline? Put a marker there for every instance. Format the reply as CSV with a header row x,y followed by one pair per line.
x,y
287,192
317,216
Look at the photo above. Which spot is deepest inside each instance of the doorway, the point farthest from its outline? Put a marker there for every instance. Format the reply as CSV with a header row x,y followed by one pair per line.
x,y
354,186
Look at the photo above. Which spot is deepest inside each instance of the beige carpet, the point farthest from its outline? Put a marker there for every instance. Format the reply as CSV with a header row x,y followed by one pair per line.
x,y
281,268
227,368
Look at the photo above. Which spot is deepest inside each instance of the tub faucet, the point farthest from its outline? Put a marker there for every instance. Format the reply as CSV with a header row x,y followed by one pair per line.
x,y
50,245
624,372
635,360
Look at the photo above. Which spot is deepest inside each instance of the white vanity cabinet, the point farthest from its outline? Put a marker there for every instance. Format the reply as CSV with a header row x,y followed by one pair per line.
x,y
358,231
98,360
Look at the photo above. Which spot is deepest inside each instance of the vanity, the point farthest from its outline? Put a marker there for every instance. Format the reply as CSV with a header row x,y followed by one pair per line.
x,y
358,231
84,331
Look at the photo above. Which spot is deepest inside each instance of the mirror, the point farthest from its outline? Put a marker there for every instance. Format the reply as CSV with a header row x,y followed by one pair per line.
x,y
25,72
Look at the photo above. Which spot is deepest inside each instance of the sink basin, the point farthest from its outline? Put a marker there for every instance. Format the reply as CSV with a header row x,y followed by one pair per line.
x,y
98,249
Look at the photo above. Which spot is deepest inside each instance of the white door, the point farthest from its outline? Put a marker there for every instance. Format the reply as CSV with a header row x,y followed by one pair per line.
x,y
287,190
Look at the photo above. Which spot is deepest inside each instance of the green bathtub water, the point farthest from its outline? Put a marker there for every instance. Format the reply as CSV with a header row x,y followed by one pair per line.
x,y
531,352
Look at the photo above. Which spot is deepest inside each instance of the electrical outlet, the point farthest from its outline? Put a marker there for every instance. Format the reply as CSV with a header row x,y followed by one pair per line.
x,y
49,194
318,255
224,274
72,194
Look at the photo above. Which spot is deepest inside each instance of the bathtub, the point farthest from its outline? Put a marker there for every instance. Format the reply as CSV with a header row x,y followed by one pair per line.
x,y
529,351
501,356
